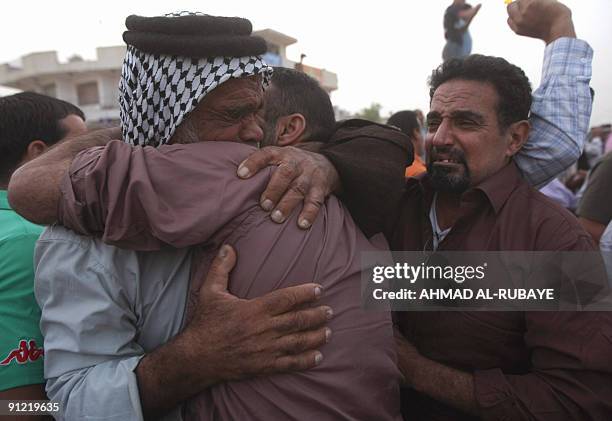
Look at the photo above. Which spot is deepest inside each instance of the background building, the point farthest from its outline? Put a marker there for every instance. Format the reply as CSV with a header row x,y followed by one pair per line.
x,y
92,84
277,56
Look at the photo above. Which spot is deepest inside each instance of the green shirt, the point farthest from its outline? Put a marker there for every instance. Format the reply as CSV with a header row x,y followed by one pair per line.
x,y
21,359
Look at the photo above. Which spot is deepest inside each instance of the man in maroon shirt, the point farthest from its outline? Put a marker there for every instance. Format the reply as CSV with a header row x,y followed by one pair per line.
x,y
493,365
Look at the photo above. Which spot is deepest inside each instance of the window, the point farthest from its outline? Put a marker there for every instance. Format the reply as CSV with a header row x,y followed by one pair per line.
x,y
87,93
273,48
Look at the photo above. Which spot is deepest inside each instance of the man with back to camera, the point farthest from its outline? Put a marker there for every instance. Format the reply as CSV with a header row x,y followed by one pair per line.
x,y
121,340
30,123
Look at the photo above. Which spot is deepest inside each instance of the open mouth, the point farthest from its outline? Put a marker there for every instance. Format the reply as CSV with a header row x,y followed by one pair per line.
x,y
448,161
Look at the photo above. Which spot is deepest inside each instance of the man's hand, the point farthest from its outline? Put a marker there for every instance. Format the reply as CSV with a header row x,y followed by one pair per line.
x,y
547,20
469,14
243,338
230,339
301,176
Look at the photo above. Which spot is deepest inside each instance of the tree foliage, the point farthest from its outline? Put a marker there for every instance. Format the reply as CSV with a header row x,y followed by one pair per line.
x,y
371,113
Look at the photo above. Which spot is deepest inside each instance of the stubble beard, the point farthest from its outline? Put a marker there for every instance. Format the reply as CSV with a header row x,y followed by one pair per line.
x,y
453,179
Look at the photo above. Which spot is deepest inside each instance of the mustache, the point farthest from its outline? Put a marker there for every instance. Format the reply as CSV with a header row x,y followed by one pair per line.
x,y
451,153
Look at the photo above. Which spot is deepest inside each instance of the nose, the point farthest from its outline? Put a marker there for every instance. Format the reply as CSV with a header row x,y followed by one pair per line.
x,y
251,129
443,136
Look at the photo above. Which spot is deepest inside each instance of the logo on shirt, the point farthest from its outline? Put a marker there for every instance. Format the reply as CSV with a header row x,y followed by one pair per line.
x,y
27,352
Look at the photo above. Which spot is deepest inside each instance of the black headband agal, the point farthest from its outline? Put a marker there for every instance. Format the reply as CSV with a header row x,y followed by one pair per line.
x,y
202,25
193,36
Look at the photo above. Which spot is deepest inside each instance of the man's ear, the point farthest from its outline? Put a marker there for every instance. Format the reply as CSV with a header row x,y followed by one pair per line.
x,y
292,129
518,133
34,150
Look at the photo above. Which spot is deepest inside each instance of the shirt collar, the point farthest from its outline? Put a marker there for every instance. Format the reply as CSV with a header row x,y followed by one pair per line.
x,y
496,189
4,204
500,185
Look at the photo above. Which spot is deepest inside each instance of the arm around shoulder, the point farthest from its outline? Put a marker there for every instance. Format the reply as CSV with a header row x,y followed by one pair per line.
x,y
145,198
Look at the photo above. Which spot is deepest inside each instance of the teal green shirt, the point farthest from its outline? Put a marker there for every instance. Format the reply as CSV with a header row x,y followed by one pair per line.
x,y
21,357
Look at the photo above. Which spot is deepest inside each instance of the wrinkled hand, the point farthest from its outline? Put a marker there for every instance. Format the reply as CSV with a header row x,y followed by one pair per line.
x,y
238,338
547,20
301,176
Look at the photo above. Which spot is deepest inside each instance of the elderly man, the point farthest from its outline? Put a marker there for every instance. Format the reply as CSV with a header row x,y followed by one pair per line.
x,y
111,316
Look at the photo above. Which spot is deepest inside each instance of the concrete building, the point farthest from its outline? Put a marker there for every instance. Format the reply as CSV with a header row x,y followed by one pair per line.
x,y
92,84
277,56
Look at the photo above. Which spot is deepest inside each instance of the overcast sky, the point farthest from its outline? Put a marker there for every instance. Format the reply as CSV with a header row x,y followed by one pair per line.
x,y
382,50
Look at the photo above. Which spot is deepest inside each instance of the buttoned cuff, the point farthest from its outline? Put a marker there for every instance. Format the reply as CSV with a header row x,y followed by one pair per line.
x,y
495,397
567,57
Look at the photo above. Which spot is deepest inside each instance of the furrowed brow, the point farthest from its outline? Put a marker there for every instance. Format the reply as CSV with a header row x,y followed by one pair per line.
x,y
468,115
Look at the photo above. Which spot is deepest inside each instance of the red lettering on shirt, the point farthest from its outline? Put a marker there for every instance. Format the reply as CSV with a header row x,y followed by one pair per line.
x,y
26,352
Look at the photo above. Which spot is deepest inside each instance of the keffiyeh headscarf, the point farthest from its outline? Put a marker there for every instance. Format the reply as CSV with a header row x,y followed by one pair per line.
x,y
173,61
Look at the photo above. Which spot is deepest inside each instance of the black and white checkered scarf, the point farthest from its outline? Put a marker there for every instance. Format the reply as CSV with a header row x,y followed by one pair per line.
x,y
156,91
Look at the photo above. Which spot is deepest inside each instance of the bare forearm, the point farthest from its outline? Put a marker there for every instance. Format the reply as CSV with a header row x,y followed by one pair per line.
x,y
442,383
167,377
34,188
445,384
562,28
468,15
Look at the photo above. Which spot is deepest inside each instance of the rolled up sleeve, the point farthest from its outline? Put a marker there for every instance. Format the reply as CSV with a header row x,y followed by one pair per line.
x,y
89,330
560,112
